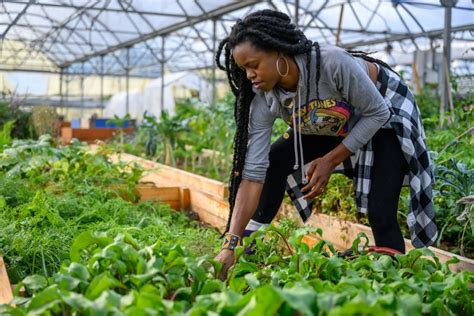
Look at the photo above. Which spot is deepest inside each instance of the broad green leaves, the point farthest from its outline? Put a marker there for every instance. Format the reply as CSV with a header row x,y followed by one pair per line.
x,y
119,277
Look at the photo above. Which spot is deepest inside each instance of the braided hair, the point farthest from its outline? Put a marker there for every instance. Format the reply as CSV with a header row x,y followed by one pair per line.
x,y
267,30
365,56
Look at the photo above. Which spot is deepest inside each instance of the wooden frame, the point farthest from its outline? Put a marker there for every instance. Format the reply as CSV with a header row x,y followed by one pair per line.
x,y
6,294
90,135
176,197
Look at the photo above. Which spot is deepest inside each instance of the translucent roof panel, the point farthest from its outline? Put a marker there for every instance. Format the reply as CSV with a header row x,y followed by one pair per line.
x,y
140,37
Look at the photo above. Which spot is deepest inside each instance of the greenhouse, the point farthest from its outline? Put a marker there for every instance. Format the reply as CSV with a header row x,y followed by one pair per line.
x,y
204,157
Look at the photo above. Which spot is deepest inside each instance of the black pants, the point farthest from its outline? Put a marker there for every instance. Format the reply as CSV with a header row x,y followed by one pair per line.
x,y
387,178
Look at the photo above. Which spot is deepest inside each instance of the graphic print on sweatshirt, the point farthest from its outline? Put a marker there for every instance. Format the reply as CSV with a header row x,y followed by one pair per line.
x,y
324,117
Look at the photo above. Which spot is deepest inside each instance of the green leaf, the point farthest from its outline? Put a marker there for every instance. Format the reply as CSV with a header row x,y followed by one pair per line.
x,y
212,286
78,271
358,240
408,304
265,300
108,302
76,301
35,282
85,240
66,282
359,308
101,283
302,298
44,301
252,280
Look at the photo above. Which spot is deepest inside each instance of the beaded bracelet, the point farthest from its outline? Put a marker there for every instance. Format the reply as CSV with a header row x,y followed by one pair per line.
x,y
231,241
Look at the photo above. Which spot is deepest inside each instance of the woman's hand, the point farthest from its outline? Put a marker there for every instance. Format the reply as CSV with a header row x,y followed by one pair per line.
x,y
226,257
318,175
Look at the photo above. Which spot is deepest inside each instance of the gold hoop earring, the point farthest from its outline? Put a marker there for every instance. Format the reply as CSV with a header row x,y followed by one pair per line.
x,y
278,67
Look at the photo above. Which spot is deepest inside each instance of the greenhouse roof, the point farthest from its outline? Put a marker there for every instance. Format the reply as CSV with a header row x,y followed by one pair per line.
x,y
140,37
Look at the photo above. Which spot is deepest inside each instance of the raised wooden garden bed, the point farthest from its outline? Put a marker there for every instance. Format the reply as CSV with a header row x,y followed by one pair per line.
x,y
176,197
6,294
207,198
90,135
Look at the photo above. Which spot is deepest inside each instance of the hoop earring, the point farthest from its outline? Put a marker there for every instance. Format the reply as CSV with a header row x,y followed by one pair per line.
x,y
287,66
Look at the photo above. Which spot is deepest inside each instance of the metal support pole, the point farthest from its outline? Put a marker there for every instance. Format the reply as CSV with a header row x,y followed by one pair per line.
x,y
82,91
162,62
102,83
214,66
66,95
339,25
433,54
61,78
297,12
127,82
446,64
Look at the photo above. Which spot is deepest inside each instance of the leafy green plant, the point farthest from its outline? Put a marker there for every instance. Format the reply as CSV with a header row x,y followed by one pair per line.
x,y
6,134
44,120
455,181
167,130
10,110
116,275
62,192
119,122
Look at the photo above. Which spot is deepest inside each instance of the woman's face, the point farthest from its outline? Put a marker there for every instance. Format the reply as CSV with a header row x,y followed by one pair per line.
x,y
259,65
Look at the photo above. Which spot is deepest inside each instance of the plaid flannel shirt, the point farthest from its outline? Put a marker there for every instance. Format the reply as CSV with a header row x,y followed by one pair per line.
x,y
405,120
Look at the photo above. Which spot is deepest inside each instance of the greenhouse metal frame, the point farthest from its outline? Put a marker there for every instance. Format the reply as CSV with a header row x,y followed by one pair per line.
x,y
142,38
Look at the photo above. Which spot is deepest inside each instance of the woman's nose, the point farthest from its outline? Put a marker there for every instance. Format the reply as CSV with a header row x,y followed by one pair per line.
x,y
250,74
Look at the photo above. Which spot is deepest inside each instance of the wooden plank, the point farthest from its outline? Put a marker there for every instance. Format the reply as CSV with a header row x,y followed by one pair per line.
x,y
151,192
66,134
6,294
179,177
340,232
209,218
90,135
203,201
175,205
185,199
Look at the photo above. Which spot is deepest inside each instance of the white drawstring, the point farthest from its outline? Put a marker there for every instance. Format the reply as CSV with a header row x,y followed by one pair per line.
x,y
298,142
303,171
296,165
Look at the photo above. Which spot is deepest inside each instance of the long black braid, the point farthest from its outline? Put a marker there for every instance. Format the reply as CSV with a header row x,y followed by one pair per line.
x,y
269,31
365,56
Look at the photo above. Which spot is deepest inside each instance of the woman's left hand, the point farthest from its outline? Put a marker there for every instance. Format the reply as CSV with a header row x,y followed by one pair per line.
x,y
318,175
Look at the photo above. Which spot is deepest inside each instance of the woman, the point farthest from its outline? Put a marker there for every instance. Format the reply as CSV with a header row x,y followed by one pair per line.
x,y
346,111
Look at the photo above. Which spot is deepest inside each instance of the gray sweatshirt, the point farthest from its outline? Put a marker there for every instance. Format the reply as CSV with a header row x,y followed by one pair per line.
x,y
349,105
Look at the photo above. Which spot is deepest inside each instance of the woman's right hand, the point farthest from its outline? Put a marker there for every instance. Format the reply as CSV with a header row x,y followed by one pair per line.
x,y
226,257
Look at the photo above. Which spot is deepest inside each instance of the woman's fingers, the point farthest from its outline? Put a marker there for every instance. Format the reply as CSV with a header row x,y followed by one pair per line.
x,y
311,168
316,190
310,184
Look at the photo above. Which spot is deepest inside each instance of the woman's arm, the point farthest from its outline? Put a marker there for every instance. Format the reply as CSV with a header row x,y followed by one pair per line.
x,y
246,204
